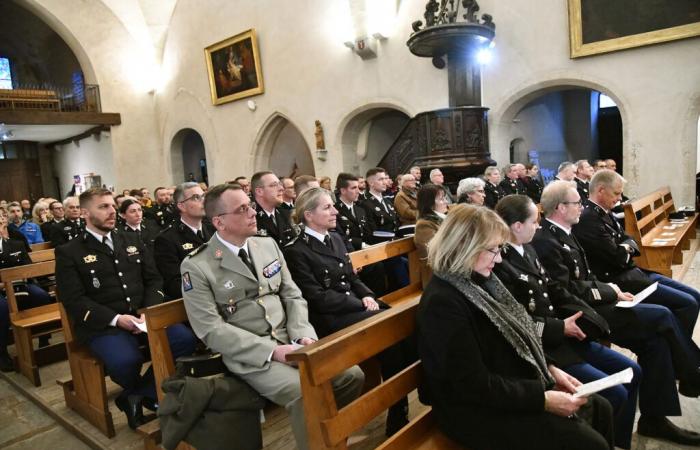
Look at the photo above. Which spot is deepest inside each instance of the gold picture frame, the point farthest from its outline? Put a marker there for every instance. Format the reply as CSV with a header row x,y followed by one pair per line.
x,y
594,29
234,68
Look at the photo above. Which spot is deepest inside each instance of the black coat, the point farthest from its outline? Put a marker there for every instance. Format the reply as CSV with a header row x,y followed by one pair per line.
x,y
493,194
533,188
567,265
582,188
170,248
148,232
327,282
509,186
601,236
66,230
283,232
95,283
162,215
380,218
355,228
13,253
544,300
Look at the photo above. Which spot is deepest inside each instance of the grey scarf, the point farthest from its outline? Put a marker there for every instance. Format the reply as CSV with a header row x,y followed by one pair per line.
x,y
508,316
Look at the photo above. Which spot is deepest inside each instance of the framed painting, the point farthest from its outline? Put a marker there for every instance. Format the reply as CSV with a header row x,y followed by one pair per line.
x,y
601,26
234,68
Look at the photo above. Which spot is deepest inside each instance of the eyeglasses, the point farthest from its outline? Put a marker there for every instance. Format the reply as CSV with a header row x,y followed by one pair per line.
x,y
241,210
578,203
195,197
497,251
274,185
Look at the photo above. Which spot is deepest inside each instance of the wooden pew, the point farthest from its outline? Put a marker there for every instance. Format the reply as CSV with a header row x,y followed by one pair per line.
x,y
42,255
41,246
86,391
646,219
33,322
328,427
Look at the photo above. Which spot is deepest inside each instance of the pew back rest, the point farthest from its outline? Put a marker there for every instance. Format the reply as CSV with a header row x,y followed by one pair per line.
x,y
321,361
7,276
643,214
41,246
42,255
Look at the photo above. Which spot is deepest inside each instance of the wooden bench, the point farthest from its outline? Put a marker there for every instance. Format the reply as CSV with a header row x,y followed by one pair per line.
x,y
38,256
32,322
647,220
86,391
41,246
328,427
29,99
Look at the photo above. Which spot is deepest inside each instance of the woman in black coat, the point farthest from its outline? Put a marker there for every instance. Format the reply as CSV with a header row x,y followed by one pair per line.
x,y
320,265
131,214
486,375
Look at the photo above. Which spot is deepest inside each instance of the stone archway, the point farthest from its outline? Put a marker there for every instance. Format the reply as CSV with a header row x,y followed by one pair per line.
x,y
281,148
188,156
367,133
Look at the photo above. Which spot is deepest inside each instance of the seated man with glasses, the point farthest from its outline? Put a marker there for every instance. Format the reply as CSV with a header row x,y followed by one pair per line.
x,y
242,302
651,331
181,237
272,221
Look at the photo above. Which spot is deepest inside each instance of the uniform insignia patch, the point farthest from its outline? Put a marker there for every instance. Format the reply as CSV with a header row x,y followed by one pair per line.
x,y
376,208
272,269
262,232
159,213
566,247
90,259
186,282
96,282
229,284
218,253
132,250
523,276
577,272
187,246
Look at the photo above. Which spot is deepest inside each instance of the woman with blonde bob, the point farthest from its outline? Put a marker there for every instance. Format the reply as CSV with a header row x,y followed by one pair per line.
x,y
485,373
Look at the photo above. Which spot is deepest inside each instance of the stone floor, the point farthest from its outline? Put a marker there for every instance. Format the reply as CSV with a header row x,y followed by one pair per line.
x,y
23,425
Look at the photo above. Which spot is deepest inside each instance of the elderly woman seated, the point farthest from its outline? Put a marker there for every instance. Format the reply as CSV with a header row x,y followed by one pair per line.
x,y
405,201
471,190
485,372
432,207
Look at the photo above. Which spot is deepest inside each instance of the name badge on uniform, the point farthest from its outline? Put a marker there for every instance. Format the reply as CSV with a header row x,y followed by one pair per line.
x,y
90,259
96,282
523,276
272,269
566,247
187,246
186,282
596,294
229,284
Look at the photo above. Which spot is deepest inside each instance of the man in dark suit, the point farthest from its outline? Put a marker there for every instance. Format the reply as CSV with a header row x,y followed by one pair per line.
x,y
57,213
103,278
584,172
288,194
651,331
610,252
267,192
181,237
512,184
163,213
69,228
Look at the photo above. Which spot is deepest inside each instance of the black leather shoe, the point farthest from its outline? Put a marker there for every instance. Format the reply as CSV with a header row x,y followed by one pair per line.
x,y
396,419
6,363
150,404
689,389
662,428
131,406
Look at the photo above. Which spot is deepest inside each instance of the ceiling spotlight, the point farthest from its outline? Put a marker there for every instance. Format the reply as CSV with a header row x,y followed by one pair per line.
x,y
484,56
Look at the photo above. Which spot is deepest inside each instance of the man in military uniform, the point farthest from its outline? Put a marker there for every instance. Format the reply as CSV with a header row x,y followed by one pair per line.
x,y
584,172
71,227
610,252
352,218
512,184
181,237
162,212
288,194
103,278
57,214
242,302
492,187
566,171
272,222
650,331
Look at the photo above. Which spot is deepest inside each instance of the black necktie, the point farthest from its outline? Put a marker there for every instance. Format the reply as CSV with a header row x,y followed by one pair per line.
x,y
327,241
200,235
244,257
105,241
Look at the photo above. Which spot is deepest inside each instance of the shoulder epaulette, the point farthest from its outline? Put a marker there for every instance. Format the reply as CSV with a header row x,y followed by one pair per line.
x,y
290,243
197,250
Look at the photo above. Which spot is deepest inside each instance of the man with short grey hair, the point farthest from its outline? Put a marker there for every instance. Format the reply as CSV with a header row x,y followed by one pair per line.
x,y
512,184
181,237
415,171
584,172
72,225
438,179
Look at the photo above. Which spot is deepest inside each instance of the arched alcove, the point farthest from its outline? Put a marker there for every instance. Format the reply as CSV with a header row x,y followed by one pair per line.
x,y
367,135
281,148
188,157
562,122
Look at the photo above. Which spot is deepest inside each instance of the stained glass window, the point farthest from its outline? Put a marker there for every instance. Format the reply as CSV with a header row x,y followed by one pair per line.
x,y
5,76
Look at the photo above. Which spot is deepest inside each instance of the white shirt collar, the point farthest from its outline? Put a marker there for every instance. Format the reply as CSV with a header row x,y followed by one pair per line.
x,y
194,230
347,205
604,209
566,230
235,249
99,236
519,248
315,233
379,197
138,227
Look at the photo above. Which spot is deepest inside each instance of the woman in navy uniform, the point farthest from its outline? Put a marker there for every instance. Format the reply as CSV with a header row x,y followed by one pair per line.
x,y
492,188
556,313
320,265
131,213
29,295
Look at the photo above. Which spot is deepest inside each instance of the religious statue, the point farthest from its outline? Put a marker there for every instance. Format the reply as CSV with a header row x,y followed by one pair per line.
x,y
320,141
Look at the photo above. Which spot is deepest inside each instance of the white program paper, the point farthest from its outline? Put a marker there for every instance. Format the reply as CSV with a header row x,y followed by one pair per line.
x,y
141,326
639,297
624,376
